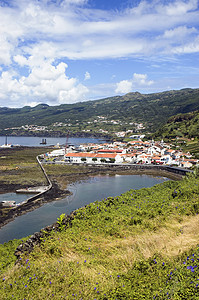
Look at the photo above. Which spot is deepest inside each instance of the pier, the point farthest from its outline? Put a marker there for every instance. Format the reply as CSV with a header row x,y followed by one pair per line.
x,y
33,190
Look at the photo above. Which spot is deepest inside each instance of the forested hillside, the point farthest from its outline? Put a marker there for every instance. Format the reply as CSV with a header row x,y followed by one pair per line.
x,y
153,110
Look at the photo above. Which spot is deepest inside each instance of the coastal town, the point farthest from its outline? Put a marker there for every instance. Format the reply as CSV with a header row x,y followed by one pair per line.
x,y
135,151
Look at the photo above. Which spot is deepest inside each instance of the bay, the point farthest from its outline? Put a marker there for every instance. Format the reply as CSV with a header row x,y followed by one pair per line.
x,y
84,192
34,141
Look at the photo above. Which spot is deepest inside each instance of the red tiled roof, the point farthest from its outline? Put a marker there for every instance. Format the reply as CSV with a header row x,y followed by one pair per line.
x,y
80,154
110,150
106,155
88,154
156,157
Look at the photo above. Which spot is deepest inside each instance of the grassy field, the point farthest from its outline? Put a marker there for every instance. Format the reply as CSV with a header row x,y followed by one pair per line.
x,y
19,166
143,244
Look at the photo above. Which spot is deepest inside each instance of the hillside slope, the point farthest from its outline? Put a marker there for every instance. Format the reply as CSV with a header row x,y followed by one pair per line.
x,y
183,131
151,109
142,244
181,125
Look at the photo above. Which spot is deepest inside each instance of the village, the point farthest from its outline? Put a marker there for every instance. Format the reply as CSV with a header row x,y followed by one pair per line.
x,y
131,152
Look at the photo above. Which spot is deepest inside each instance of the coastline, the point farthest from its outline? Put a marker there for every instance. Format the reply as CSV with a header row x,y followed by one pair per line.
x,y
35,239
57,192
61,135
54,194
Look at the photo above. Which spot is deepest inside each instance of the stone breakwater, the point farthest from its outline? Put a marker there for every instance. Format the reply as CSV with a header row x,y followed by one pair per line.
x,y
54,193
38,237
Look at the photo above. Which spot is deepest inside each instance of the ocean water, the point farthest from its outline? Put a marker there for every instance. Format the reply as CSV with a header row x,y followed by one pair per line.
x,y
35,141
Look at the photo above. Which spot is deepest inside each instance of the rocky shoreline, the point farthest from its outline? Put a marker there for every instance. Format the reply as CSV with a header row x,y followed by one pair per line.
x,y
36,238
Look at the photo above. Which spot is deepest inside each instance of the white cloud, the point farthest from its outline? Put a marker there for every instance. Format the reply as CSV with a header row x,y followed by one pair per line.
x,y
181,7
20,60
190,47
179,32
75,2
39,34
87,76
124,87
45,83
141,79
138,80
85,34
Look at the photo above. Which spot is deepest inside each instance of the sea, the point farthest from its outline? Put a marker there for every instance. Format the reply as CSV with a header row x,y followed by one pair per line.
x,y
50,141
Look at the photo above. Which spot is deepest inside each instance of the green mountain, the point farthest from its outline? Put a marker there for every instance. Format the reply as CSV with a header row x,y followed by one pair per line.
x,y
183,131
153,110
181,125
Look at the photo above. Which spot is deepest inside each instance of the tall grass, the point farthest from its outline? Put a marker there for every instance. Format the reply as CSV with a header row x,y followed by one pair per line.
x,y
140,245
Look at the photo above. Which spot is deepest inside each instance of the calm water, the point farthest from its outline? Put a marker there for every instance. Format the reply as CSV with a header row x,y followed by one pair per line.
x,y
18,198
35,141
84,192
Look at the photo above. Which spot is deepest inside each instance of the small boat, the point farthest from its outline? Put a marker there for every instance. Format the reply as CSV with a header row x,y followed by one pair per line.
x,y
8,203
43,142
6,145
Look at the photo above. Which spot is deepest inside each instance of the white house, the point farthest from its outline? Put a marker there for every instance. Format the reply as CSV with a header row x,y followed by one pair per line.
x,y
88,157
57,152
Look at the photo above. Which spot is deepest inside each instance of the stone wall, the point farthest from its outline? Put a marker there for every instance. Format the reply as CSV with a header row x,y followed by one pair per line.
x,y
37,237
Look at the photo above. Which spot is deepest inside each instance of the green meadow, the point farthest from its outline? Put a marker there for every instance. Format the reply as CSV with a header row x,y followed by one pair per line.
x,y
143,244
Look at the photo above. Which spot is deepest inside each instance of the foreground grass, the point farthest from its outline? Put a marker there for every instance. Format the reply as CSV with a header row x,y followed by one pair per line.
x,y
140,245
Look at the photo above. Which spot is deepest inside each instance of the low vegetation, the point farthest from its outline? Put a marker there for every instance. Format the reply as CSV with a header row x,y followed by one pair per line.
x,y
143,244
19,166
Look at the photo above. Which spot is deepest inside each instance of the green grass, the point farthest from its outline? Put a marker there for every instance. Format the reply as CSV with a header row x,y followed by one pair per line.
x,y
19,166
143,244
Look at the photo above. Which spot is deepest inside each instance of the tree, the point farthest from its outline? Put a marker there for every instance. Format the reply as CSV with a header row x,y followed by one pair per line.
x,y
112,160
103,160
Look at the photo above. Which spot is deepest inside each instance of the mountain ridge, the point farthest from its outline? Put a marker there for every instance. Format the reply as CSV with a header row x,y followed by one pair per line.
x,y
153,110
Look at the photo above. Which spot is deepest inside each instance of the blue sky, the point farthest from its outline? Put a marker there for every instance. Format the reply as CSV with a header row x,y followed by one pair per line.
x,y
67,51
